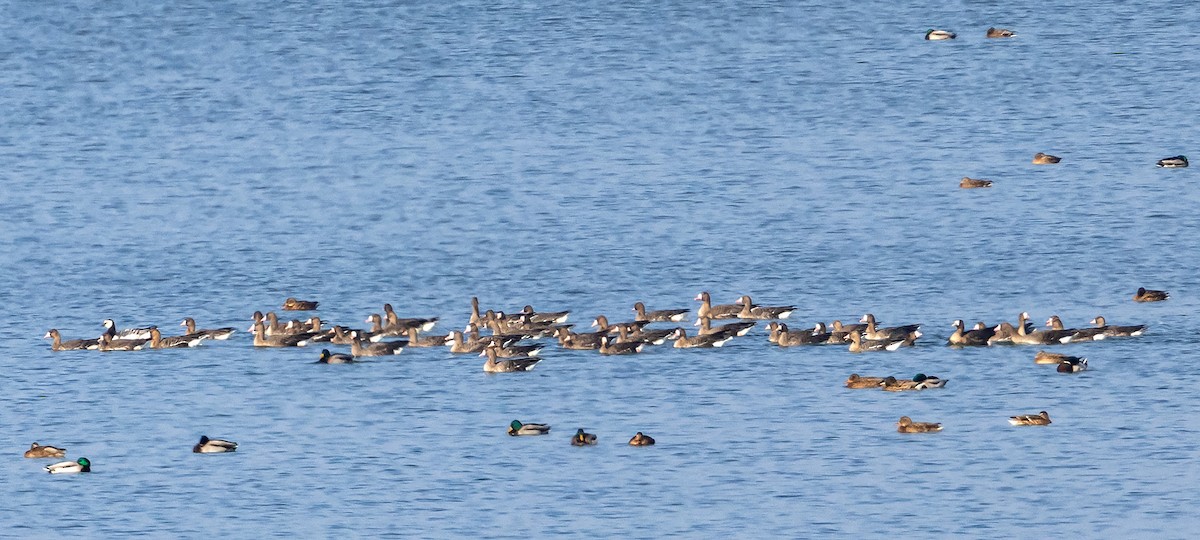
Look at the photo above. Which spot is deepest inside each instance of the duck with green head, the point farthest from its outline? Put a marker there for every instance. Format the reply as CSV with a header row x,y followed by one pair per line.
x,y
517,428
69,467
935,35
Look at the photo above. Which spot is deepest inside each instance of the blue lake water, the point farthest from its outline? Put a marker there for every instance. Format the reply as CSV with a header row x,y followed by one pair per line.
x,y
163,161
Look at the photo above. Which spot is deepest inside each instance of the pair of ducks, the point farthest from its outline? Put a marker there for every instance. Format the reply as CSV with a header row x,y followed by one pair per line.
x,y
581,438
993,32
82,465
1065,363
919,382
906,424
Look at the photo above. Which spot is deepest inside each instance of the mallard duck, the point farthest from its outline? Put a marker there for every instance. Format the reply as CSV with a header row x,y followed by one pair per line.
x,y
1045,159
1039,419
1072,364
968,183
517,428
928,381
334,358
934,35
906,425
1173,162
291,304
38,451
57,344
1000,32
1048,358
70,467
640,439
507,365
213,446
856,381
661,315
892,384
583,439
1146,295
1118,331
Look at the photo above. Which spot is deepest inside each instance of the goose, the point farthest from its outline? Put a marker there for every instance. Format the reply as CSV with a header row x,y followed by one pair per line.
x,y
378,331
213,446
858,382
72,345
1045,159
683,341
417,340
38,451
458,345
723,311
601,324
220,334
936,35
549,317
108,344
788,338
651,337
970,183
1118,331
972,338
173,342
858,344
1146,295
70,467
110,328
394,322
1000,33
1039,419
1176,162
334,358
908,333
516,428
731,329
661,315
291,304
475,319
582,438
379,348
261,339
507,365
1077,334
610,347
906,425
641,439
1037,337
751,311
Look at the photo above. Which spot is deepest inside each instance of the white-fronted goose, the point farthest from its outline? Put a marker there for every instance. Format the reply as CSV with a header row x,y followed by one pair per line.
x,y
506,365
459,345
423,324
652,337
973,338
1000,33
274,327
261,339
601,324
709,311
730,329
71,345
751,311
1045,159
380,348
334,358
516,350
546,317
110,328
415,339
909,332
291,304
341,335
859,344
610,346
1077,334
661,315
108,344
173,342
1146,295
378,332
683,341
1038,337
476,319
971,183
788,338
1118,331
1174,162
580,342
220,334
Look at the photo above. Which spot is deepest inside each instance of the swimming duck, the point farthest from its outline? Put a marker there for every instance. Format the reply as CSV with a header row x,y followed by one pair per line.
x,y
1146,295
683,341
661,315
213,446
723,311
291,304
331,358
751,311
929,381
934,35
906,425
1072,364
1118,331
507,365
70,467
1000,33
1044,358
57,344
968,183
220,334
1173,162
583,439
1045,159
892,384
1039,419
517,428
38,451
855,381
640,439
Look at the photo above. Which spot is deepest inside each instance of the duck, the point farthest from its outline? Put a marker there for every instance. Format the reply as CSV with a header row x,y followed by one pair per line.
x,y
545,317
334,358
683,341
507,365
858,344
908,333
38,451
733,329
1039,419
82,465
1147,295
969,183
1049,358
582,438
516,428
219,334
935,35
1175,162
751,311
610,347
1000,33
661,315
108,344
858,382
380,348
276,340
1072,364
906,425
1045,159
641,439
57,344
157,341
892,384
395,322
925,382
723,311
214,446
1118,331
291,304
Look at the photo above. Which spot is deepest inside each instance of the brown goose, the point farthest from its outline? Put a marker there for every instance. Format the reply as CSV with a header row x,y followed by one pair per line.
x,y
906,425
220,334
858,344
652,337
459,345
107,344
601,324
507,365
1147,295
380,348
341,335
730,329
1045,159
516,350
72,345
683,341
858,382
544,318
261,339
586,341
1078,334
970,183
661,315
274,327
788,338
291,304
475,319
611,347
1019,336
415,339
709,311
972,338
751,311
157,341
1118,331
394,322
908,332
378,332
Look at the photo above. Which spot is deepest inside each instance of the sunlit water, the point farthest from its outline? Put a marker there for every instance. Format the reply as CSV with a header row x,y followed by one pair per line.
x,y
163,162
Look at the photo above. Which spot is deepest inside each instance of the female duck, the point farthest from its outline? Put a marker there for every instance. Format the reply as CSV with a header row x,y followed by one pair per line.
x,y
38,451
906,425
1147,295
641,440
1039,419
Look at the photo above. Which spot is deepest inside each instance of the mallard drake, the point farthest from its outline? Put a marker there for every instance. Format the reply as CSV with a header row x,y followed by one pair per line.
x,y
935,35
57,344
1045,159
1039,419
1118,331
291,304
751,311
723,311
929,381
1146,295
906,425
38,451
858,344
661,315
583,439
968,183
683,341
213,446
1000,32
157,341
507,365
640,439
517,428
220,334
70,467
1175,162
332,358
1072,364
856,381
